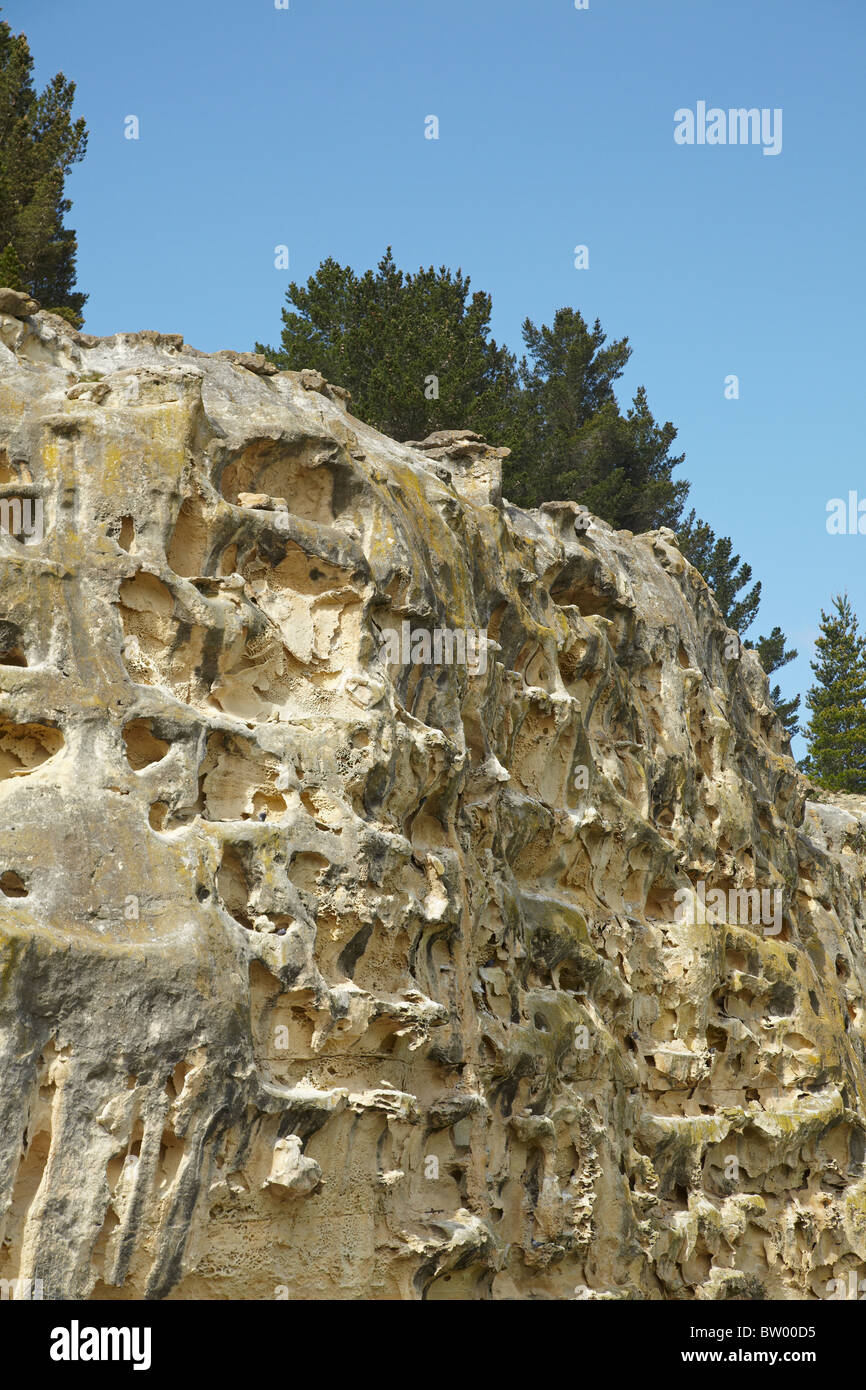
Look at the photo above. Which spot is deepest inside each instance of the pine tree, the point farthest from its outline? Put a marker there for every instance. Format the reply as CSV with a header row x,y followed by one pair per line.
x,y
722,571
772,656
575,441
39,143
414,350
836,733
727,577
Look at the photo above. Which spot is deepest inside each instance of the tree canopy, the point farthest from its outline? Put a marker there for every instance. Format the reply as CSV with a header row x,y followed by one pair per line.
x,y
836,732
576,442
39,143
414,350
728,577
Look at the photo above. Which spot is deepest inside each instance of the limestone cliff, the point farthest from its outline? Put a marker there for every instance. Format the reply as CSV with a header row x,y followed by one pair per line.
x,y
331,967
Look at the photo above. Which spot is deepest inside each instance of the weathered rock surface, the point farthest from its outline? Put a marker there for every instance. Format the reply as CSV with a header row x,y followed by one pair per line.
x,y
17,304
329,975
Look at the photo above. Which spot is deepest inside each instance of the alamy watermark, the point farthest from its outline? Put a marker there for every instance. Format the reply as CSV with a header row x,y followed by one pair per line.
x,y
852,1287
22,517
443,646
847,520
737,906
21,1290
77,1343
736,126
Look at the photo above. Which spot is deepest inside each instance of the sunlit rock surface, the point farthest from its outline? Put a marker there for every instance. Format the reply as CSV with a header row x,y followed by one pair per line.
x,y
327,972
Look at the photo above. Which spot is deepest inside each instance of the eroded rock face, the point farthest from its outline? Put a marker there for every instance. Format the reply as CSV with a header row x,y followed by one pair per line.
x,y
327,972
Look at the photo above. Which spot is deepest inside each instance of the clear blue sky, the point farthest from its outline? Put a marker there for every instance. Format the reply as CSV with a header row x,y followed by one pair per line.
x,y
305,127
